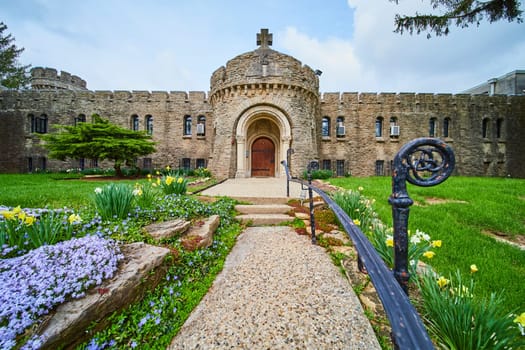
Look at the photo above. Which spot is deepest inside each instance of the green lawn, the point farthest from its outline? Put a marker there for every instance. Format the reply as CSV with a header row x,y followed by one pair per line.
x,y
475,206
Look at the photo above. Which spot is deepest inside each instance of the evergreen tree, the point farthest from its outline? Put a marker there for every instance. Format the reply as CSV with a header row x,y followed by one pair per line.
x,y
12,75
98,140
460,13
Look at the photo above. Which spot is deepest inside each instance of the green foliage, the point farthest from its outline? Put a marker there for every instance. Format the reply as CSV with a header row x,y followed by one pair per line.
x,y
98,140
319,174
114,201
12,75
173,183
22,231
202,172
461,13
469,208
458,319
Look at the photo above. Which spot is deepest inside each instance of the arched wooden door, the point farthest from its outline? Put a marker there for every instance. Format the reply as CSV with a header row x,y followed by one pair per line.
x,y
263,157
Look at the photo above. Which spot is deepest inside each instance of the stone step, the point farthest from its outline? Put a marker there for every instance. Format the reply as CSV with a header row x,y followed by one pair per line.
x,y
263,209
263,219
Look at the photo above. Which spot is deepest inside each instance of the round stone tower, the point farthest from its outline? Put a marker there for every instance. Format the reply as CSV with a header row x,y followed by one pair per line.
x,y
264,105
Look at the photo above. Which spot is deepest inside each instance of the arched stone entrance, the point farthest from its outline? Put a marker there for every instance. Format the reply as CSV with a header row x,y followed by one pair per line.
x,y
263,157
259,128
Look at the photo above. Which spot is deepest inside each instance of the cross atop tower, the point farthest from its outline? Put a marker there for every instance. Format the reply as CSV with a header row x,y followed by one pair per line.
x,y
264,39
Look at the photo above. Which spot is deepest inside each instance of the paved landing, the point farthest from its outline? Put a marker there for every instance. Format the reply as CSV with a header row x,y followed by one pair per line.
x,y
267,187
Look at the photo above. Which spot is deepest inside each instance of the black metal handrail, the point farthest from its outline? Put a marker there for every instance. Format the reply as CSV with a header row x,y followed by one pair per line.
x,y
435,162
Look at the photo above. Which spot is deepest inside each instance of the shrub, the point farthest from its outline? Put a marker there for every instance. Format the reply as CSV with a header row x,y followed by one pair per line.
x,y
319,174
114,201
202,172
457,319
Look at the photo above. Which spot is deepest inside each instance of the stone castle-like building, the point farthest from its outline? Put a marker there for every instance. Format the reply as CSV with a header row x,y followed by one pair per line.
x,y
262,104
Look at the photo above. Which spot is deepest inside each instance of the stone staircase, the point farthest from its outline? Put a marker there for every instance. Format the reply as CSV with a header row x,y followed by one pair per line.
x,y
263,214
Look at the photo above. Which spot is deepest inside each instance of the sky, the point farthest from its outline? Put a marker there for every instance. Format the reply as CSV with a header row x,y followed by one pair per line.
x,y
173,45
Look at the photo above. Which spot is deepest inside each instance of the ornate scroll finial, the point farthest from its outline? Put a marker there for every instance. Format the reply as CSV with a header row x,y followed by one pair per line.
x,y
264,39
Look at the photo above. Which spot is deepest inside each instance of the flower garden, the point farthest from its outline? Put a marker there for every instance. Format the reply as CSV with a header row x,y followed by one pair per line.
x,y
457,313
49,256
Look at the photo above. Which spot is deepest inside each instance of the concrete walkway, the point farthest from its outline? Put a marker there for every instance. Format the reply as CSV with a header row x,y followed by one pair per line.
x,y
276,291
264,187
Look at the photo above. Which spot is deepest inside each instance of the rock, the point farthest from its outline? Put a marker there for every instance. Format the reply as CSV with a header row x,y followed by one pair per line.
x,y
302,216
167,229
336,234
67,326
201,235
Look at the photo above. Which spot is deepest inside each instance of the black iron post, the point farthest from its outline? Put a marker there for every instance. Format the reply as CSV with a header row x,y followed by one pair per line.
x,y
422,162
313,165
289,153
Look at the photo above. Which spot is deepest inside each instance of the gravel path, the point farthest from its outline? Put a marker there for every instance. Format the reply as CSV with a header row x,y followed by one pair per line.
x,y
277,291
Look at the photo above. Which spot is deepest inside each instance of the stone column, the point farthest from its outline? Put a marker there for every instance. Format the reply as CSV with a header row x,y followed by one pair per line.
x,y
241,157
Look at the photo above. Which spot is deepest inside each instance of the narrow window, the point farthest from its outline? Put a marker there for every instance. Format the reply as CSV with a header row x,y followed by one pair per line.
x,y
149,124
340,167
485,128
186,163
446,127
499,128
325,127
30,164
340,127
81,118
146,163
43,163
394,128
380,167
327,164
187,125
432,127
135,122
81,163
31,121
379,127
94,163
40,124
200,163
201,126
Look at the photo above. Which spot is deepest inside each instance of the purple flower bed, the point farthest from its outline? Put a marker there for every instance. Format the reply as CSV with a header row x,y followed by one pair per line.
x,y
36,282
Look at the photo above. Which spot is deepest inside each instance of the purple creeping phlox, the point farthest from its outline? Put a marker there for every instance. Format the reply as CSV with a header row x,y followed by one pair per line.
x,y
32,284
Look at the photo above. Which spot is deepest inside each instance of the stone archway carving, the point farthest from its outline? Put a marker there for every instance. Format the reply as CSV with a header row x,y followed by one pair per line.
x,y
261,121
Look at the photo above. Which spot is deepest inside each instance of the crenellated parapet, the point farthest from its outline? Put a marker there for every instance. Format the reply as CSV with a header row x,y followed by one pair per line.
x,y
48,78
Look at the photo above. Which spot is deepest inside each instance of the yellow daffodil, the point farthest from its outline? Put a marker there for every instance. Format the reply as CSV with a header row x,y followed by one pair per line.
x,y
473,268
154,185
73,218
17,210
157,172
360,189
357,222
520,319
436,243
8,215
442,282
389,241
179,180
29,220
21,216
149,177
169,180
168,168
158,181
430,254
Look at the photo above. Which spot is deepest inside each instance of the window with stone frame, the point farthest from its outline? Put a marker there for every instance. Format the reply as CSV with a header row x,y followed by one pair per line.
x,y
485,126
186,163
379,127
446,127
200,163
394,127
147,163
149,124
39,124
135,122
326,164
201,125
432,127
340,130
325,127
340,167
499,128
380,168
187,125
81,118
